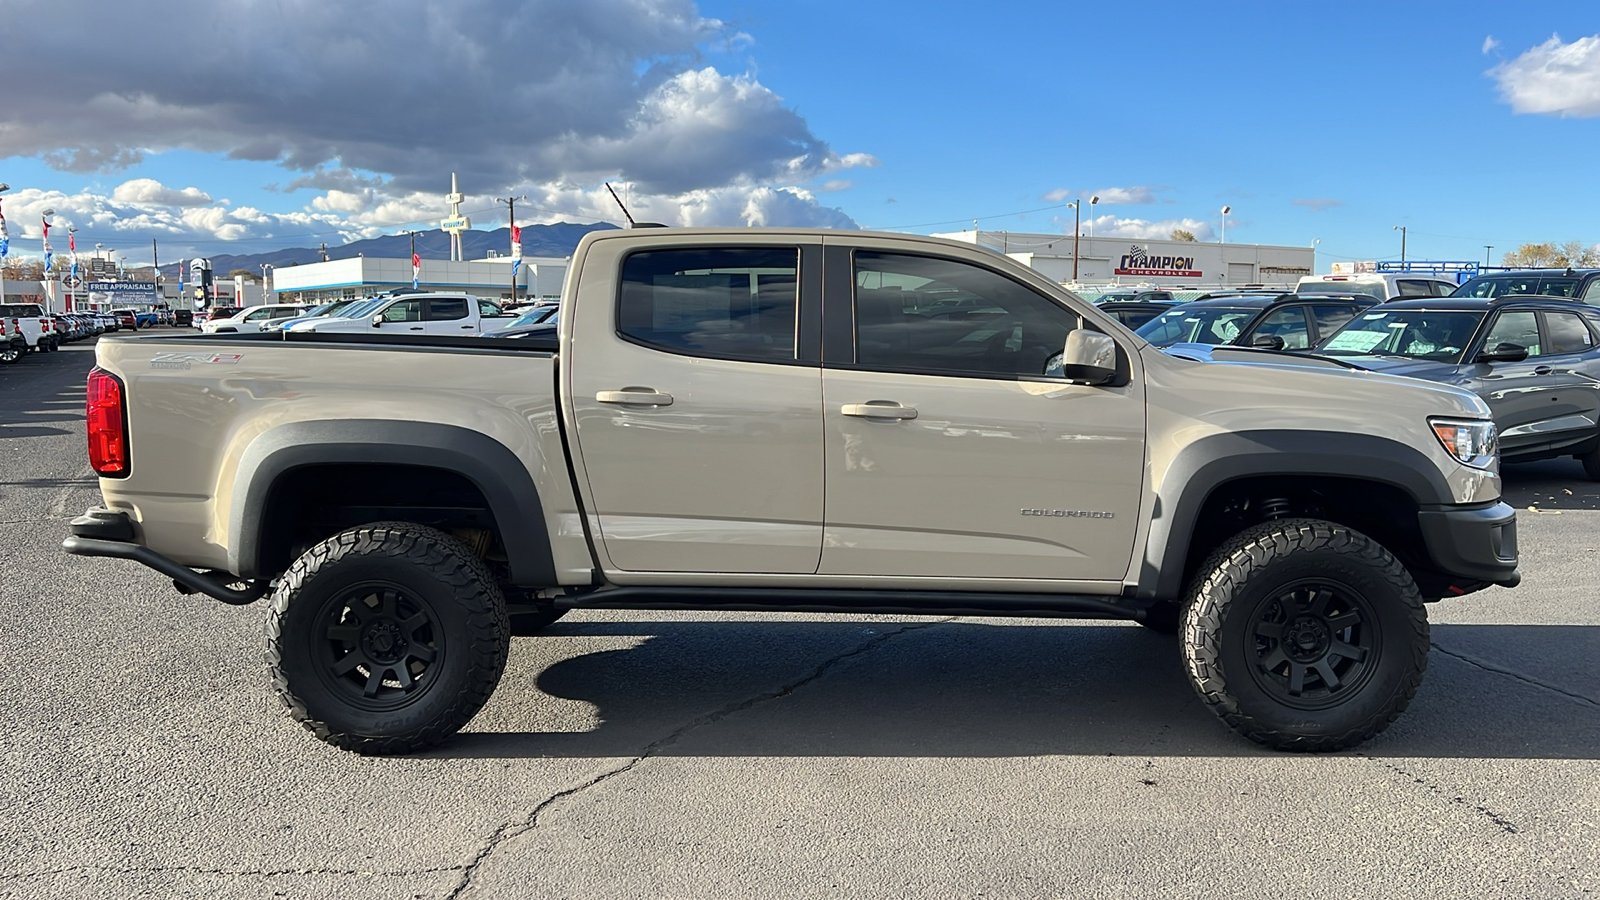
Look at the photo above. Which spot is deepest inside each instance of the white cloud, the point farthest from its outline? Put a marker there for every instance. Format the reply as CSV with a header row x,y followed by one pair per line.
x,y
1145,229
1489,44
151,191
1317,204
1136,195
1554,78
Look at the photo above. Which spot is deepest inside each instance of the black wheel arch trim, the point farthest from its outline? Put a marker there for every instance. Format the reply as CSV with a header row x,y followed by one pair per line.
x,y
1214,461
491,466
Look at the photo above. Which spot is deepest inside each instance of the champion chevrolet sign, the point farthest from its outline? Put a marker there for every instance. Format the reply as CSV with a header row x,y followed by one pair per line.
x,y
1138,261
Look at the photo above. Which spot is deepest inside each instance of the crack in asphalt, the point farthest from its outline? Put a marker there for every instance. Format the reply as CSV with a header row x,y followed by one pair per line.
x,y
529,822
1533,682
1499,820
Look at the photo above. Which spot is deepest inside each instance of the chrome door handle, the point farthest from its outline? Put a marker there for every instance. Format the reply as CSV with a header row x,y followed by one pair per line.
x,y
635,397
879,409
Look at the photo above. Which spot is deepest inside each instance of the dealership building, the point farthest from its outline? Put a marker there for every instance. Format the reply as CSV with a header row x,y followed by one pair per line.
x,y
1120,260
362,276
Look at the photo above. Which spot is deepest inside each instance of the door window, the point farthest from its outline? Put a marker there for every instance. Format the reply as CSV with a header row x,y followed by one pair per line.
x,y
727,304
1566,333
1288,323
1558,286
1331,318
447,309
1520,328
1591,294
940,316
487,309
404,311
1410,287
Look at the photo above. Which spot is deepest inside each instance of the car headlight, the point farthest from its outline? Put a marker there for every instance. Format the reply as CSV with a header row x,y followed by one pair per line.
x,y
1473,442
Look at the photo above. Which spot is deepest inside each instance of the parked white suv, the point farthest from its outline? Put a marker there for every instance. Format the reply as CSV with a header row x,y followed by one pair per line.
x,y
1385,286
250,319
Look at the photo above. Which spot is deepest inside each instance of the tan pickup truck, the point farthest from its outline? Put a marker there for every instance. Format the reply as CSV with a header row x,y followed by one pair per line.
x,y
797,420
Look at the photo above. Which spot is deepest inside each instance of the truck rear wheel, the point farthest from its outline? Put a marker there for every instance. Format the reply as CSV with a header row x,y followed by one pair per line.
x,y
1305,635
387,638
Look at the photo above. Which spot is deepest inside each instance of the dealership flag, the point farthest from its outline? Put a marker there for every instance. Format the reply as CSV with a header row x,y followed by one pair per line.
x,y
72,248
5,238
416,269
48,256
516,242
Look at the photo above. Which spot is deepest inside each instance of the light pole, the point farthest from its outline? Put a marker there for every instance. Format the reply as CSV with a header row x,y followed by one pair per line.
x,y
1402,230
1315,243
266,269
1225,211
1092,201
72,278
1075,223
1486,249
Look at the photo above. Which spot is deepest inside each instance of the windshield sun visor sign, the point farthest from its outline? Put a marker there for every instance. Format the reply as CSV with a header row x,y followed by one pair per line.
x,y
1138,261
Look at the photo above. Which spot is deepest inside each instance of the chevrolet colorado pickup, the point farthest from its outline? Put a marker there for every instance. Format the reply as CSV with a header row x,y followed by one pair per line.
x,y
796,420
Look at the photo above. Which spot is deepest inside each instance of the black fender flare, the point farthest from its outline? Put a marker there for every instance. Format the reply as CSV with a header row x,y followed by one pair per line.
x,y
1211,462
503,479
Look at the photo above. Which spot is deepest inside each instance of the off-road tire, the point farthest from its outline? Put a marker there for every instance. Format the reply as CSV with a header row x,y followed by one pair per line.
x,y
1368,605
322,617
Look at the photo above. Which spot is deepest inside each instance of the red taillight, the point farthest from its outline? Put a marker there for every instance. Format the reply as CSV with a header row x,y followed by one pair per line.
x,y
107,419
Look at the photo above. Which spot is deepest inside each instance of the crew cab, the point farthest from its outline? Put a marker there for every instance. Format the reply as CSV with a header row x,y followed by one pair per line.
x,y
414,313
795,420
251,318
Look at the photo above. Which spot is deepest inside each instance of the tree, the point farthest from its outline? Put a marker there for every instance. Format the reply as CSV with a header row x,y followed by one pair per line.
x,y
1552,256
1178,234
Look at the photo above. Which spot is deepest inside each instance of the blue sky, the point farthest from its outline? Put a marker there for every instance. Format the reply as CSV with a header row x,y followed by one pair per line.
x,y
1467,123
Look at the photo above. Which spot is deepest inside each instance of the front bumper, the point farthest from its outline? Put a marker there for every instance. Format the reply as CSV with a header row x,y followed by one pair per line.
x,y
1476,543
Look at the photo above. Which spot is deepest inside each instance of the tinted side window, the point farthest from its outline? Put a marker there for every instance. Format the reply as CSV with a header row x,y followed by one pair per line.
x,y
939,316
1520,328
445,309
1331,318
1288,323
732,304
1413,288
1591,294
1558,287
1566,333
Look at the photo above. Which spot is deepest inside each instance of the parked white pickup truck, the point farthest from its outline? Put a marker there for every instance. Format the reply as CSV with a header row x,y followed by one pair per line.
x,y
795,421
437,314
30,321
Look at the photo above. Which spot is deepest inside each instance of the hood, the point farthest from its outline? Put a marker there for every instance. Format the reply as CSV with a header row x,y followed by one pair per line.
x,y
1429,369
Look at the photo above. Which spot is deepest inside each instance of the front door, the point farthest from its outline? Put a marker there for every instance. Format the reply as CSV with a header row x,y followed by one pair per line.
x,y
952,451
698,409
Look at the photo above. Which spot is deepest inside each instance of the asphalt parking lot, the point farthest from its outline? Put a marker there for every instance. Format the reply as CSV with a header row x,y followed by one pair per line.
x,y
727,755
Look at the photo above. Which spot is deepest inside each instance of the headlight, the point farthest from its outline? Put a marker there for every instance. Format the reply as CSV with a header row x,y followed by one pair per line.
x,y
1471,441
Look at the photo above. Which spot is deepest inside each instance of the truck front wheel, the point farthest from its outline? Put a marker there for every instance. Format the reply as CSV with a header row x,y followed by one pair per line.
x,y
1305,635
387,638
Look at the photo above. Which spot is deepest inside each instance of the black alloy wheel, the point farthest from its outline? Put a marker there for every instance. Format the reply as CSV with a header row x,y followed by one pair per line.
x,y
380,644
1314,644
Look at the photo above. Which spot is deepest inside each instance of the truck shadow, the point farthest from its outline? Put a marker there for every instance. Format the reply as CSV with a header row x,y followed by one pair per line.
x,y
977,689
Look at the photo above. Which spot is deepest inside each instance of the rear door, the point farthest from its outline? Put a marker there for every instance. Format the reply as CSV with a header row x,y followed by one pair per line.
x,y
952,451
696,394
448,315
1568,371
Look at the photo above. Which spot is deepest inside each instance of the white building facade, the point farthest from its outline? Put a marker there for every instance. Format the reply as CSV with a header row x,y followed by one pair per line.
x,y
537,277
1178,264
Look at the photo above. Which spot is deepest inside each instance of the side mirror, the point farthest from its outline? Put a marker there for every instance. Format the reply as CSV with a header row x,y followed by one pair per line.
x,y
1504,353
377,320
1089,357
1267,342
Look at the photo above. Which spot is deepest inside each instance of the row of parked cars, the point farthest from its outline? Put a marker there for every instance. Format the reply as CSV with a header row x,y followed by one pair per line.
x,y
1527,342
402,311
26,328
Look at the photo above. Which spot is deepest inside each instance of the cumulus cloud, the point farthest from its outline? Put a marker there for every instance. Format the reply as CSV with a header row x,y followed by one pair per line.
x,y
1145,229
1554,78
1317,204
150,191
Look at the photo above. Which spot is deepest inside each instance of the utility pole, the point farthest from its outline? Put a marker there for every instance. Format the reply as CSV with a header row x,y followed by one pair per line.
x,y
1402,230
516,247
1486,249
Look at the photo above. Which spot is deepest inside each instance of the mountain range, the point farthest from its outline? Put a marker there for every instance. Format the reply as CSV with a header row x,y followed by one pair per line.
x,y
537,240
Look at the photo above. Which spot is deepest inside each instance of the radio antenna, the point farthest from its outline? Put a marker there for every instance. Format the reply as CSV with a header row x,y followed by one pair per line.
x,y
631,223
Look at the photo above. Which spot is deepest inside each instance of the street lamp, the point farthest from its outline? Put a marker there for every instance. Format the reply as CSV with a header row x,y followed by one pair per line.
x,y
1075,223
1402,230
1092,201
1225,211
266,268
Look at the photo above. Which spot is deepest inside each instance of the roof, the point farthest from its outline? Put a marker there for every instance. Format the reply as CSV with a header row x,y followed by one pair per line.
x,y
1479,304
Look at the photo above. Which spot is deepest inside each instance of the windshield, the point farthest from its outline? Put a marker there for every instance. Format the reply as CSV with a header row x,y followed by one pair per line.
x,y
1374,290
1197,325
1526,283
1410,333
534,316
358,308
